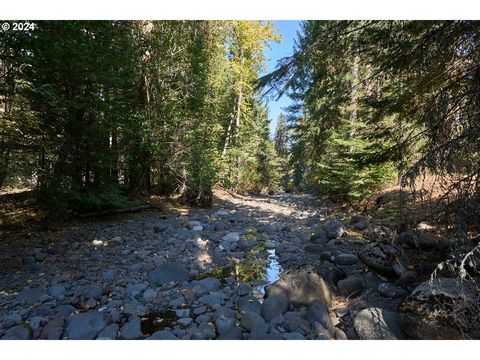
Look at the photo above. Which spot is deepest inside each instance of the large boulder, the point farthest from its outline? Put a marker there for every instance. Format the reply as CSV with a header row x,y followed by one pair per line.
x,y
168,272
377,324
301,286
441,309
381,258
85,326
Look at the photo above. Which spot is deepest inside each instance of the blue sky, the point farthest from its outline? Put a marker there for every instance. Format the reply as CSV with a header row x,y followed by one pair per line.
x,y
288,30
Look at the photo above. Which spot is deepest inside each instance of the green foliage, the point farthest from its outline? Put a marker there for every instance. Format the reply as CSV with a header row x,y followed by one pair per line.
x,y
93,111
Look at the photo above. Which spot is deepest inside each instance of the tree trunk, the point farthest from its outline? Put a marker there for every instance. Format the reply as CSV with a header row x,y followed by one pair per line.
x,y
353,101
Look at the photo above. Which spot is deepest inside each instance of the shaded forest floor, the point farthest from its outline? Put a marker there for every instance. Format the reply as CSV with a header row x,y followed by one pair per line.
x,y
21,217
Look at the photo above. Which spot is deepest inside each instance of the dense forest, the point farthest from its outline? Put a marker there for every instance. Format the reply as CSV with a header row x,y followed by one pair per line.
x,y
357,218
95,111
380,101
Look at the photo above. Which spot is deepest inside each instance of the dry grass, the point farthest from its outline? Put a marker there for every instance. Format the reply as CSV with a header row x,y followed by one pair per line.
x,y
402,208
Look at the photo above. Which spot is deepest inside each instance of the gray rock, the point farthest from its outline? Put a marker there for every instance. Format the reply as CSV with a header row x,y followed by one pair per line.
x,y
31,295
200,310
269,245
302,286
216,298
136,289
210,284
318,312
351,286
372,280
162,335
335,242
193,223
57,290
90,291
249,303
391,291
18,332
85,326
184,322
168,272
233,333
345,259
377,324
115,315
182,313
418,239
231,237
178,301
222,212
319,237
259,336
293,336
53,330
294,320
274,305
135,267
109,275
339,334
407,279
246,244
131,330
11,319
360,225
253,322
204,331
149,295
36,322
226,312
223,324
316,249
219,226
110,332
204,318
334,229
243,289
275,323
65,309
133,308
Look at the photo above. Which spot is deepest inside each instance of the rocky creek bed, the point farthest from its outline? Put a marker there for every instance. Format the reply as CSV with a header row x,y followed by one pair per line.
x,y
253,268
